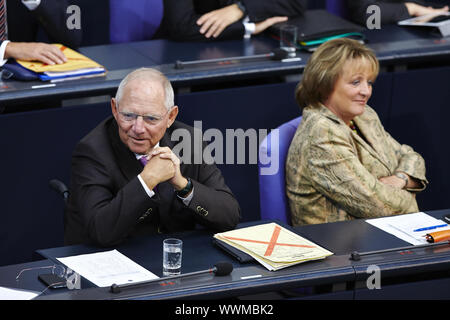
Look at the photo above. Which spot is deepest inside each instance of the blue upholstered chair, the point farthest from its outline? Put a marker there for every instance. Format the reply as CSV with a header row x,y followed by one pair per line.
x,y
338,7
134,20
271,170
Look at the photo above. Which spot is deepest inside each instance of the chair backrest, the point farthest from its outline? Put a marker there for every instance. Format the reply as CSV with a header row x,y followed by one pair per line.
x,y
134,20
271,171
338,7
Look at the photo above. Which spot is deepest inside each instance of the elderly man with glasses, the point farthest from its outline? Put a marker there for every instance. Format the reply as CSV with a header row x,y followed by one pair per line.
x,y
126,181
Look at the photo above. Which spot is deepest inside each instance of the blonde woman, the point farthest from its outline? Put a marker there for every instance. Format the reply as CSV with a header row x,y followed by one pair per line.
x,y
342,164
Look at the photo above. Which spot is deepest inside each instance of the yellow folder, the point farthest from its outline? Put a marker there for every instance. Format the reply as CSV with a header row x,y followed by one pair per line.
x,y
273,246
75,61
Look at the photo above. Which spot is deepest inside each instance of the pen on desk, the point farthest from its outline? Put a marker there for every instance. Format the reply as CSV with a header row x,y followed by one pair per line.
x,y
431,228
251,277
43,86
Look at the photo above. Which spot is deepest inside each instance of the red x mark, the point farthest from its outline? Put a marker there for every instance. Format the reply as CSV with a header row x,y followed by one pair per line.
x,y
272,243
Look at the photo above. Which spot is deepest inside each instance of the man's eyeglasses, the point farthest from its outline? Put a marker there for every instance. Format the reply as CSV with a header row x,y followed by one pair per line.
x,y
63,277
149,119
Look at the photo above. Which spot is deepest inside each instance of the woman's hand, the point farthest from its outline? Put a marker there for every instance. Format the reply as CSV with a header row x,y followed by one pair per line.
x,y
393,181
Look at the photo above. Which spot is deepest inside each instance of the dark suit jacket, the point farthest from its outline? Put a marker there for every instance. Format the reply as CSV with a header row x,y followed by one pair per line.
x,y
391,10
51,15
109,204
179,22
180,16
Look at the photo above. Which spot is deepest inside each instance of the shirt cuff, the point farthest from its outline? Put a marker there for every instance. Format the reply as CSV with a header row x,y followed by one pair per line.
x,y
249,28
149,192
188,199
2,52
31,4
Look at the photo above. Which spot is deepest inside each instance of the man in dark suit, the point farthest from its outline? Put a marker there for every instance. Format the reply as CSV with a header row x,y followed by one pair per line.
x,y
391,11
114,197
23,19
189,20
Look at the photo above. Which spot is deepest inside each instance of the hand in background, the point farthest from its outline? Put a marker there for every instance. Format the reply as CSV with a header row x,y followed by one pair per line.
x,y
35,51
417,10
263,25
214,22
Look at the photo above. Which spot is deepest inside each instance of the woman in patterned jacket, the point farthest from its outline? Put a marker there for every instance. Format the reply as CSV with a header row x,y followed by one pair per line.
x,y
342,164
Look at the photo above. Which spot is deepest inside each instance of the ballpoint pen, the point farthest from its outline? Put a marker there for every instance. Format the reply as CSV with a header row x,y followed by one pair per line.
x,y
431,228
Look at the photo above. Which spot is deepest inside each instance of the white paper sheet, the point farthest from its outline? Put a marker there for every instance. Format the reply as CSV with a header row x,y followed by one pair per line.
x,y
16,294
106,268
403,226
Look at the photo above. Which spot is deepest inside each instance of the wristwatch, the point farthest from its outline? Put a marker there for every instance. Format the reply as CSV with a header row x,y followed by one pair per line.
x,y
186,190
402,176
241,7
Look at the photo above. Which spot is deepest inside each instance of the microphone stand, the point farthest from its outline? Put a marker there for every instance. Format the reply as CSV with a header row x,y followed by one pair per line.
x,y
276,54
116,288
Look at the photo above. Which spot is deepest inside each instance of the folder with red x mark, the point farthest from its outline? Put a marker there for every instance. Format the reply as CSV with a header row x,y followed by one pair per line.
x,y
272,245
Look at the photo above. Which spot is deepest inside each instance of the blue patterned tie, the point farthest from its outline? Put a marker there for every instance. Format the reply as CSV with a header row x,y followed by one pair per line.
x,y
2,20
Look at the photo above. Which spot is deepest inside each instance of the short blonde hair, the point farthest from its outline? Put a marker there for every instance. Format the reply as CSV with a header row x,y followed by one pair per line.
x,y
326,65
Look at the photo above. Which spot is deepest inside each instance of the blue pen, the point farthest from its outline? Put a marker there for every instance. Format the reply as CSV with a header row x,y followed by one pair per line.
x,y
431,228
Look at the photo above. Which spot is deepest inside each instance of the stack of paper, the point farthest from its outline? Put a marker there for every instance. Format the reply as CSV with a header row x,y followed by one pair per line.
x,y
410,227
273,246
77,66
16,294
106,268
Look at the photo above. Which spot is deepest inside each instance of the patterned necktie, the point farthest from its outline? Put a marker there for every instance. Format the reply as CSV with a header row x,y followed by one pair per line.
x,y
143,160
2,20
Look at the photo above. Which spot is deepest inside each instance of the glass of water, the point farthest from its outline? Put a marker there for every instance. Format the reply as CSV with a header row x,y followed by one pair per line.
x,y
288,39
172,252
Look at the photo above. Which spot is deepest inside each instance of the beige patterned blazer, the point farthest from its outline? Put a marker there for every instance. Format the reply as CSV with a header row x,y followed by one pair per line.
x,y
332,172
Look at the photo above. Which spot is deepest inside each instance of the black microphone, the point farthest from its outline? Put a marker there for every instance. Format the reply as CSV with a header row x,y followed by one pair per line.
x,y
219,269
60,187
277,54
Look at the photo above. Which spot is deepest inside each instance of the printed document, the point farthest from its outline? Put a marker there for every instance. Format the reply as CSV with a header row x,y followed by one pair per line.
x,y
16,294
403,226
106,268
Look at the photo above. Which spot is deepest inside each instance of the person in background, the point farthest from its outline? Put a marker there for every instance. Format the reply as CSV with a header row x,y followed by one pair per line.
x,y
391,11
342,164
201,20
126,181
20,21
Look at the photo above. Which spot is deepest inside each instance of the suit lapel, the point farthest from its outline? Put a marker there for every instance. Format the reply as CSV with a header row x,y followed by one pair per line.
x,y
126,159
374,141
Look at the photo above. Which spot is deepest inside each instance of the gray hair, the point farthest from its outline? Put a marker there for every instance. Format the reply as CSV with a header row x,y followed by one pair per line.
x,y
150,75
